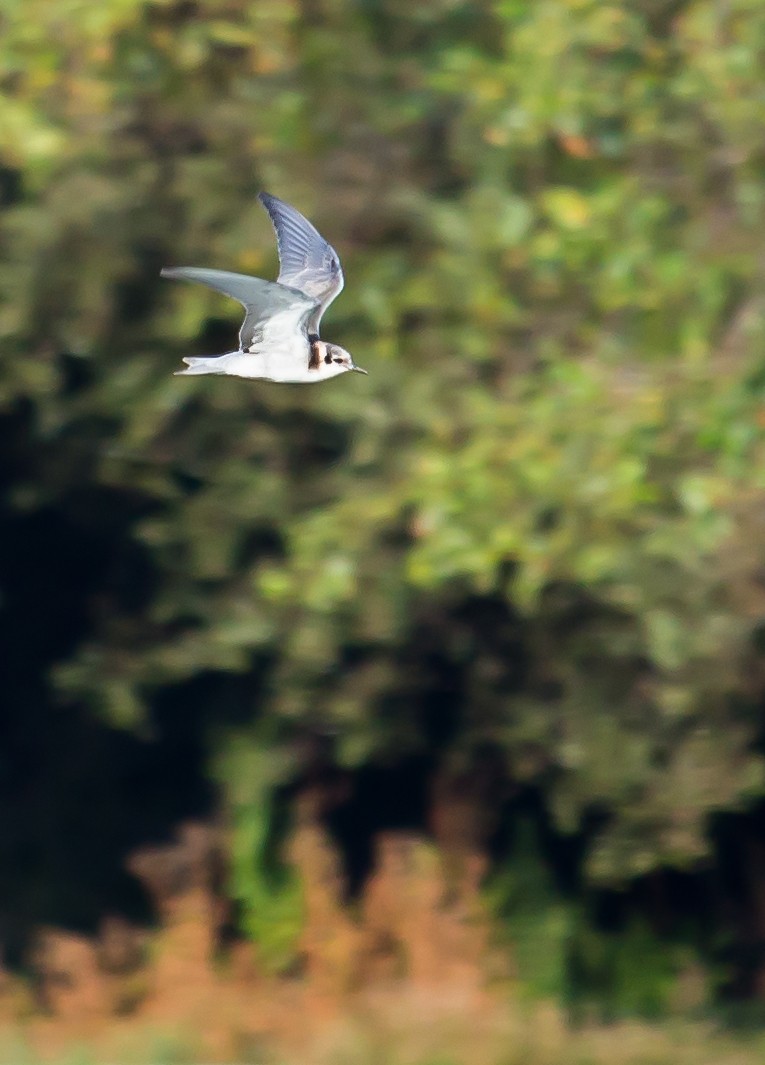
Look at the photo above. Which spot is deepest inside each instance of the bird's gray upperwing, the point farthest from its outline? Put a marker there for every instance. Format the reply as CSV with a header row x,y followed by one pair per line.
x,y
262,300
306,261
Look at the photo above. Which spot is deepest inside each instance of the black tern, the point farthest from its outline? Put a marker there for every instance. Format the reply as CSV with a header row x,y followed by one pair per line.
x,y
279,338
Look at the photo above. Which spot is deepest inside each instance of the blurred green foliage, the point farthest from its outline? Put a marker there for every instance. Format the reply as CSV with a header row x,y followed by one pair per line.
x,y
266,890
551,487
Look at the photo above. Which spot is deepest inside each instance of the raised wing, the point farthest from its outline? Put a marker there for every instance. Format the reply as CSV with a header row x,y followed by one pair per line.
x,y
306,261
262,301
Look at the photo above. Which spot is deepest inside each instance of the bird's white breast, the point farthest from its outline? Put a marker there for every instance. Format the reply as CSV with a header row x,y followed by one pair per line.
x,y
285,359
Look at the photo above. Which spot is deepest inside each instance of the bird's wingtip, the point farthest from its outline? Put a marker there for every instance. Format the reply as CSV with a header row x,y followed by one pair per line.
x,y
178,273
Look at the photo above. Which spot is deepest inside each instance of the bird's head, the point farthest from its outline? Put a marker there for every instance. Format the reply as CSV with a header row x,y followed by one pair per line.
x,y
336,360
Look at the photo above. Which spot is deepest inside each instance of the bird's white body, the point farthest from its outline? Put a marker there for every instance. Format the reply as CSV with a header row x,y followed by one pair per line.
x,y
289,364
279,338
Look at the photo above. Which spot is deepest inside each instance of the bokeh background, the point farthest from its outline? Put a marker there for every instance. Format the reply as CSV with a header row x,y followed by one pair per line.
x,y
428,702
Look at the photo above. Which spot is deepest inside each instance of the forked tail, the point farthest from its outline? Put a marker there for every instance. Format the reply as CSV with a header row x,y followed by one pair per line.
x,y
200,364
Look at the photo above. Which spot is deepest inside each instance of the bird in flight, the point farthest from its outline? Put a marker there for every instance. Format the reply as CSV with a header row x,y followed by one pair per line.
x,y
279,339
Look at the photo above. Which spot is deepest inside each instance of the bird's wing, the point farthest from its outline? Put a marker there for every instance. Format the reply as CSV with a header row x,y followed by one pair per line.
x,y
306,261
273,310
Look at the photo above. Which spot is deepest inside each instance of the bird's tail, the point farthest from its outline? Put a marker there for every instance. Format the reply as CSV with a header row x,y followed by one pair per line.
x,y
200,364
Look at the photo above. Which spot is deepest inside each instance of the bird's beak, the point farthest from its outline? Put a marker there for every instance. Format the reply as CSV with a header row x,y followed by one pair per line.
x,y
358,369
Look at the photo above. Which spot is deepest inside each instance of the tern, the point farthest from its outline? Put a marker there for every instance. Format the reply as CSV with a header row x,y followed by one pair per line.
x,y
279,339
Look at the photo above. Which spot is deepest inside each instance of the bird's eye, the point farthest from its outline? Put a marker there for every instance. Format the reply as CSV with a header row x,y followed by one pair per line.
x,y
328,359
338,361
